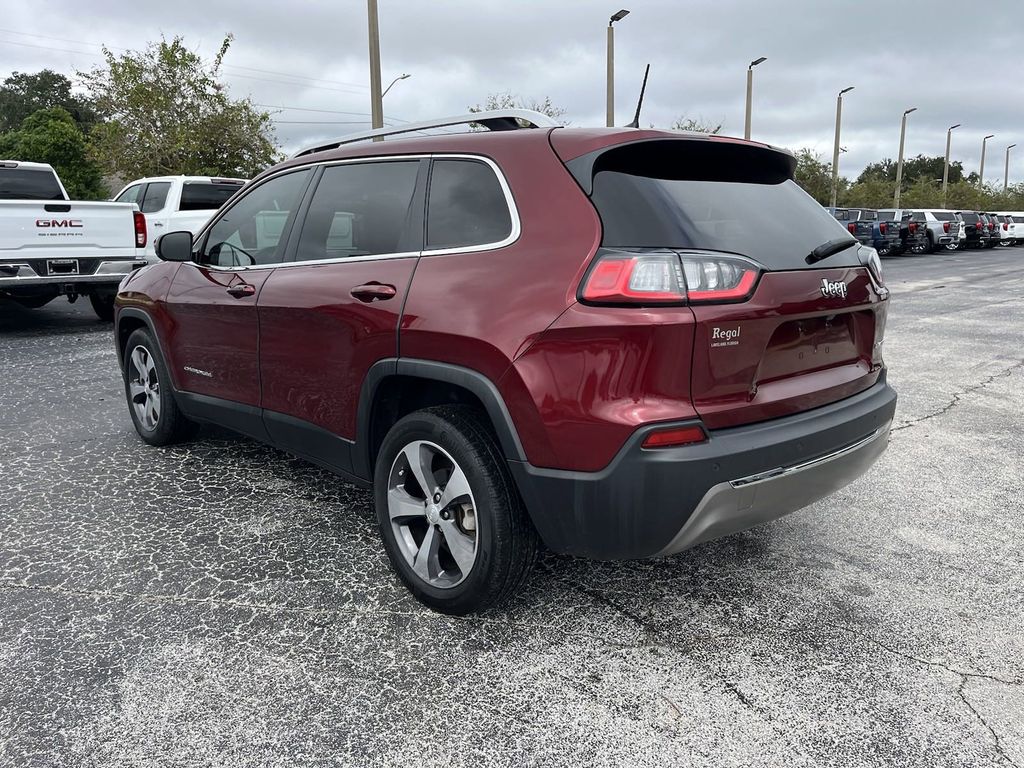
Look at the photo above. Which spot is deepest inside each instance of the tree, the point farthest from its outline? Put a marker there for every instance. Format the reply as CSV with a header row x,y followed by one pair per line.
x,y
23,94
168,113
508,100
698,125
815,176
868,193
52,136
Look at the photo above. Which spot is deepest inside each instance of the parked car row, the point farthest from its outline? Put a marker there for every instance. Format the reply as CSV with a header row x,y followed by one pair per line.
x,y
892,231
52,246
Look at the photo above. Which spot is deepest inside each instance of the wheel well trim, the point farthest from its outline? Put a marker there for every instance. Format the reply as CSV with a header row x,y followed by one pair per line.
x,y
137,314
473,381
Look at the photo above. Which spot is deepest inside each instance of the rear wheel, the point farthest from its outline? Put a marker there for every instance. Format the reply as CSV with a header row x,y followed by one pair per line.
x,y
151,403
102,305
451,519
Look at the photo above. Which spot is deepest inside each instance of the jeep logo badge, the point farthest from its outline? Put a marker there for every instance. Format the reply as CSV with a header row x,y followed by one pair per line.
x,y
834,289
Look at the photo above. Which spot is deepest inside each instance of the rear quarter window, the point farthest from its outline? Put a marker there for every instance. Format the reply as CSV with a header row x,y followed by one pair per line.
x,y
466,206
205,196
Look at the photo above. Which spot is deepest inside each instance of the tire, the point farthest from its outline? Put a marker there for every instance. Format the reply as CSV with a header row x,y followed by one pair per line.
x,y
147,390
932,247
483,520
102,305
953,246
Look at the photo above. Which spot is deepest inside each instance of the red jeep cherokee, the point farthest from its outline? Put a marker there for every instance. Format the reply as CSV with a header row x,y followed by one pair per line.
x,y
618,342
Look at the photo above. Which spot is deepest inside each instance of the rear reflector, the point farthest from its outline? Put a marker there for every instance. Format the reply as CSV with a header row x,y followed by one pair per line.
x,y
140,230
667,438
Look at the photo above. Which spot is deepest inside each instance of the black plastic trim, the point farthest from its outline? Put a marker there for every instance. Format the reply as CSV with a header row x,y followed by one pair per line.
x,y
634,507
238,417
308,441
475,382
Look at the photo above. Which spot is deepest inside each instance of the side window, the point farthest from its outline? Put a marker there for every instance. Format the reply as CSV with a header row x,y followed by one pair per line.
x,y
130,195
155,197
466,205
359,209
250,231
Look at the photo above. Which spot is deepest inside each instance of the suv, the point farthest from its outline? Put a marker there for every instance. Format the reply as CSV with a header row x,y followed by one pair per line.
x,y
618,342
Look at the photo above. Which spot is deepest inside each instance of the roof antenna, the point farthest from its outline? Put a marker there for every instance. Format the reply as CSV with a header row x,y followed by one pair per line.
x,y
640,101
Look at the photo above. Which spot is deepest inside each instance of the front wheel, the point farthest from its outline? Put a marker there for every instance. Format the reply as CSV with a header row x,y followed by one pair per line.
x,y
147,387
451,519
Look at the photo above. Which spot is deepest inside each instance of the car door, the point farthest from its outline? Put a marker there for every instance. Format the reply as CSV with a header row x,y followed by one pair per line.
x,y
211,302
153,203
330,314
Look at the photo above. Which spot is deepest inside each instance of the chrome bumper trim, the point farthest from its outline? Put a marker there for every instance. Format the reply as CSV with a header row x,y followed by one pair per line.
x,y
106,272
736,505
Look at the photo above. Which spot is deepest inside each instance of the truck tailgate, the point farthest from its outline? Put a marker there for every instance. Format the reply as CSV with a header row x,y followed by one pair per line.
x,y
31,229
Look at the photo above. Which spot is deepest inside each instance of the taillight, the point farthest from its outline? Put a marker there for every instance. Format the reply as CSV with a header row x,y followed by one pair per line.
x,y
1006,227
977,226
666,277
140,230
673,436
852,227
883,227
913,227
945,227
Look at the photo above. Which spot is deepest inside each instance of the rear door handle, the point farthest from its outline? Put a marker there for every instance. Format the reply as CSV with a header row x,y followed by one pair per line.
x,y
240,290
373,292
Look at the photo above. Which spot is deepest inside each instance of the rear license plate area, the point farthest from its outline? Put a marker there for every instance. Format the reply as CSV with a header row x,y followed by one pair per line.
x,y
62,267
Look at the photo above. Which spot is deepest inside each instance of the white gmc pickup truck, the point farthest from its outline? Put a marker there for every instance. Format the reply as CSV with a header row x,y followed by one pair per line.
x,y
51,246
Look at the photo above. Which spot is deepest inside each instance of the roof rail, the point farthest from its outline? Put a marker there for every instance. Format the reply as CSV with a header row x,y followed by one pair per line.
x,y
495,120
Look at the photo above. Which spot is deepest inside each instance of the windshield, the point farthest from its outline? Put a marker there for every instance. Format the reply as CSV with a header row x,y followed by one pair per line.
x,y
29,184
754,210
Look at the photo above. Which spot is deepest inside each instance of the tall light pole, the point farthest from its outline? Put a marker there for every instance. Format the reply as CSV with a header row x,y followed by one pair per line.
x,y
981,171
750,94
945,167
610,109
376,97
400,77
835,149
1006,173
899,164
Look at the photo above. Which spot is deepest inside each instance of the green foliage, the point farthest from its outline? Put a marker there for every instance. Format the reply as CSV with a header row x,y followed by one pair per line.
x,y
695,125
23,94
51,136
815,176
917,170
509,100
168,113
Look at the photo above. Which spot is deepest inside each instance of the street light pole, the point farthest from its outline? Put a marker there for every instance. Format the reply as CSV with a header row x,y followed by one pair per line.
x,y
899,164
610,108
376,97
981,171
835,149
1006,173
400,77
750,94
945,167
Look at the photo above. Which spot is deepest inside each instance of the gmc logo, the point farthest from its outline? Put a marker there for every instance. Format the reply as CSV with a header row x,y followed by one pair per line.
x,y
59,223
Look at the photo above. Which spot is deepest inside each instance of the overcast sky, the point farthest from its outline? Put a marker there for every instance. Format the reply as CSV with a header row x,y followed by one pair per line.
x,y
956,62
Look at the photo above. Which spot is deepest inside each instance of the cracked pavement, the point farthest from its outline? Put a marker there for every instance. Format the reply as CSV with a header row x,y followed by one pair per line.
x,y
224,604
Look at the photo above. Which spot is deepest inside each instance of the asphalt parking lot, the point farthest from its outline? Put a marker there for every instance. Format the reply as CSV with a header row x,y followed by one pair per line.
x,y
224,604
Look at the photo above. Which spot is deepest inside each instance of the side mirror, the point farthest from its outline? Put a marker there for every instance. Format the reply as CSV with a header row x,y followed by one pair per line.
x,y
175,246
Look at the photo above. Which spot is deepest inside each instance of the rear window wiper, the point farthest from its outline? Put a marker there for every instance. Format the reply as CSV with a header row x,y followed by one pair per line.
x,y
830,248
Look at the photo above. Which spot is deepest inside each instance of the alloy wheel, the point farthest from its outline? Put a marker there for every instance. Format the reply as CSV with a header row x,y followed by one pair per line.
x,y
433,514
144,387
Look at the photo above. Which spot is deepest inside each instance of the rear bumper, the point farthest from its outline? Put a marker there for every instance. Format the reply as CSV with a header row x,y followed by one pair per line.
x,y
658,502
112,272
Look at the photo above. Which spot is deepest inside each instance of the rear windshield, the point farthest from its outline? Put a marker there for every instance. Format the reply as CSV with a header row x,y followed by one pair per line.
x,y
969,218
206,196
867,215
943,216
29,184
711,196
